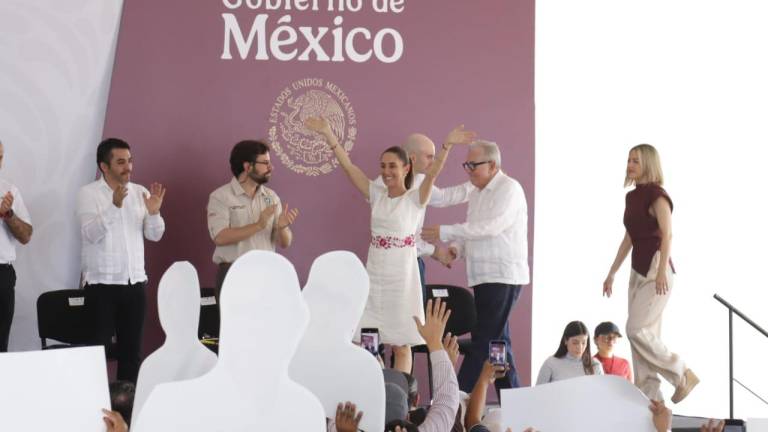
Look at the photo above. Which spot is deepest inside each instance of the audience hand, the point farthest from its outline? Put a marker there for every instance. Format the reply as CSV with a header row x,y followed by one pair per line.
x,y
451,346
662,416
114,421
713,426
431,234
491,372
436,316
347,419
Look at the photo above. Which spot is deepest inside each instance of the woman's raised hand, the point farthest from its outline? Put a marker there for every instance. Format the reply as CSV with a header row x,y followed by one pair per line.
x,y
460,136
318,124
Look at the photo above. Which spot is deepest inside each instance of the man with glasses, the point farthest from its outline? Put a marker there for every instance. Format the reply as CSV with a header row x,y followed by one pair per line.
x,y
244,214
606,335
494,243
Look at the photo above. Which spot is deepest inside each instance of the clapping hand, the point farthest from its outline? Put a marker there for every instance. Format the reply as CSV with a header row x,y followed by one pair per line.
x,y
287,217
7,204
155,199
445,256
431,234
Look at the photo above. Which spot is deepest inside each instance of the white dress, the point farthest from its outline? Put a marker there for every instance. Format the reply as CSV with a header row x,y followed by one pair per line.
x,y
395,294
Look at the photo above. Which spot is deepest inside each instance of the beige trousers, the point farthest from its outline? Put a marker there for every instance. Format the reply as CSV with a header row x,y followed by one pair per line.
x,y
650,357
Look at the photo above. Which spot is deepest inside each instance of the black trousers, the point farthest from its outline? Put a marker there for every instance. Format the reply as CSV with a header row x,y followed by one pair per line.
x,y
7,302
493,303
119,310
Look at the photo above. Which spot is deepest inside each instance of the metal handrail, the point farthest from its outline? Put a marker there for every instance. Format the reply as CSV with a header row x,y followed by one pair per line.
x,y
731,311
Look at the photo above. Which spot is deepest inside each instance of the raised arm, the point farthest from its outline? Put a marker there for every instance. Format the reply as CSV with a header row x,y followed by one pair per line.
x,y
457,136
355,174
621,255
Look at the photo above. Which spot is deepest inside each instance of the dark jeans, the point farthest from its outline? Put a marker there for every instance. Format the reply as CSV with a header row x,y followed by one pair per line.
x,y
221,273
423,280
120,310
493,302
7,302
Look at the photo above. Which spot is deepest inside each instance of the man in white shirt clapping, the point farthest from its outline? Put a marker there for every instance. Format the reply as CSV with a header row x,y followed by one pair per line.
x,y
115,217
16,230
494,243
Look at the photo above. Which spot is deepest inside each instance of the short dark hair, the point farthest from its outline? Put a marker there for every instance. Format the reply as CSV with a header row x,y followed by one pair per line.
x,y
121,394
104,151
404,425
245,151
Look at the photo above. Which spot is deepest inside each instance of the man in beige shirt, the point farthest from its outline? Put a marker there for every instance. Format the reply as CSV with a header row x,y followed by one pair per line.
x,y
244,214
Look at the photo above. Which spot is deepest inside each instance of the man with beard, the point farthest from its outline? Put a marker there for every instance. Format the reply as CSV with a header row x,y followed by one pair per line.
x,y
115,218
244,214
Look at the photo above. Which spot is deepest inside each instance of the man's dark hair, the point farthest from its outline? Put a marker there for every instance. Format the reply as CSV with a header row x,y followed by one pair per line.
x,y
104,151
245,151
404,425
121,394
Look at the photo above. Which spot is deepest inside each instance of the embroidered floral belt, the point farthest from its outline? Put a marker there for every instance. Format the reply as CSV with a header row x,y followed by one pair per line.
x,y
388,242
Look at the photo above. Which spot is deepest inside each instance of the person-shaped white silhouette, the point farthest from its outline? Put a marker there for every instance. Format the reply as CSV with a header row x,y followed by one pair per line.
x,y
263,318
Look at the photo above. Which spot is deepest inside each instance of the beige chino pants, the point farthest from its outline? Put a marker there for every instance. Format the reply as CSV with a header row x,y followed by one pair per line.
x,y
650,357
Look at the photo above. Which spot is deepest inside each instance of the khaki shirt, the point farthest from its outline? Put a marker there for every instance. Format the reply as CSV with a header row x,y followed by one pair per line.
x,y
230,207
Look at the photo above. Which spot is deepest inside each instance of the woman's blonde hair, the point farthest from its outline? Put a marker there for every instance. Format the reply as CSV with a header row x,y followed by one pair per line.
x,y
650,164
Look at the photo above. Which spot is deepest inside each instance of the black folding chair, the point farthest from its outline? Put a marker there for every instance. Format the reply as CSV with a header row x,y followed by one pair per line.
x,y
208,328
463,318
64,316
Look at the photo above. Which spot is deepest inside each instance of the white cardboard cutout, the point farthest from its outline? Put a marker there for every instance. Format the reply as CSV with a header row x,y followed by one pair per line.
x,y
54,390
182,356
595,403
327,362
263,318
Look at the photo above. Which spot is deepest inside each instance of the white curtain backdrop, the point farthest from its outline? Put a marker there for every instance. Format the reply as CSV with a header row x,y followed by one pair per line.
x,y
56,63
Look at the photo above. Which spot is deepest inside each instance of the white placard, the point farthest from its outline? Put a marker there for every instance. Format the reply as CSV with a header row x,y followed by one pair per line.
x,y
76,301
596,403
439,293
207,301
56,390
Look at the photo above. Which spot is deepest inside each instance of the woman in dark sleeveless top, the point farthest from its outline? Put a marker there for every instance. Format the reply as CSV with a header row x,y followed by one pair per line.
x,y
648,223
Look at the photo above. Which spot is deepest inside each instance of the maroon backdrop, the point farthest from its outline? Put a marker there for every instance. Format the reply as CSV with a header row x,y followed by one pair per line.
x,y
181,107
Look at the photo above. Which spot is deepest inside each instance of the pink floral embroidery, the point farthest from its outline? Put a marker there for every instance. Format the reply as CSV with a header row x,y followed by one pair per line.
x,y
388,242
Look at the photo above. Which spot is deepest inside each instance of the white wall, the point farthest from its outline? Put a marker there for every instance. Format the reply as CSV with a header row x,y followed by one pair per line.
x,y
691,78
56,60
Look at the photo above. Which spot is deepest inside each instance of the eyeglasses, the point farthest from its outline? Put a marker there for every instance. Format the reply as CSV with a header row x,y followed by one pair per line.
x,y
471,166
265,163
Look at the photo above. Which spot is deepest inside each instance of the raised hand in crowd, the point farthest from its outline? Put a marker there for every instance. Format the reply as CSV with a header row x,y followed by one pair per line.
x,y
7,204
445,256
287,217
114,421
713,426
459,136
347,417
118,195
155,199
451,346
662,416
436,316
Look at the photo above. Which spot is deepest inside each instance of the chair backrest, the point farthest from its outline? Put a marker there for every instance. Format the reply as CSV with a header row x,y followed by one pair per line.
x,y
461,302
209,315
64,316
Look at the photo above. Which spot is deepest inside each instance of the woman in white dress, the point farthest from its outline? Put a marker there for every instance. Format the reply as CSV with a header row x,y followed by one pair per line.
x,y
395,289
